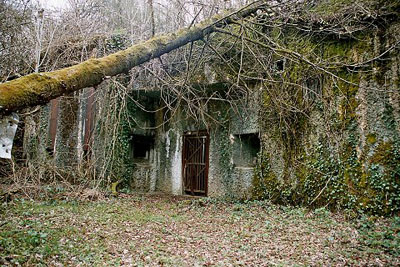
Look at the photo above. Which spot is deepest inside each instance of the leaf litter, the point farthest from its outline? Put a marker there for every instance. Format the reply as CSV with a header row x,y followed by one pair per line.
x,y
164,230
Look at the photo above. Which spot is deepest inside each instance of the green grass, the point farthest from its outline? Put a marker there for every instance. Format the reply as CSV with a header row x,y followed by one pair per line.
x,y
164,230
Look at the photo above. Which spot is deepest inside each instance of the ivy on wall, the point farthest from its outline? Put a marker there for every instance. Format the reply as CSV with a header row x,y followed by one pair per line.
x,y
340,149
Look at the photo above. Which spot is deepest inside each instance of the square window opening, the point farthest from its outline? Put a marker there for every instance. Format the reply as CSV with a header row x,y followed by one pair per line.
x,y
141,147
246,148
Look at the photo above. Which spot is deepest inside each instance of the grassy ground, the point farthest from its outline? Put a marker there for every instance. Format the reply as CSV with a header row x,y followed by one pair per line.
x,y
175,231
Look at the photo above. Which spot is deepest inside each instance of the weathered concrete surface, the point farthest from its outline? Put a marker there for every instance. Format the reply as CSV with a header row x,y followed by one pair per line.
x,y
224,179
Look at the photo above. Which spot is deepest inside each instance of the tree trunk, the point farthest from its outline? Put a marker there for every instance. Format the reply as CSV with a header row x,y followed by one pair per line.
x,y
40,88
152,22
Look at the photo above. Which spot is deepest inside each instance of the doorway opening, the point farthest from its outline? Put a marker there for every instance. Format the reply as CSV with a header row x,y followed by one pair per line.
x,y
195,163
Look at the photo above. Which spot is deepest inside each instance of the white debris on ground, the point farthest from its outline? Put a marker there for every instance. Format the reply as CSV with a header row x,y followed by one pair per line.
x,y
8,127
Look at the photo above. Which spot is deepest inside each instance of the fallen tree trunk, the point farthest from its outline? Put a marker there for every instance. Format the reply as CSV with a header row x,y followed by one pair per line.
x,y
40,88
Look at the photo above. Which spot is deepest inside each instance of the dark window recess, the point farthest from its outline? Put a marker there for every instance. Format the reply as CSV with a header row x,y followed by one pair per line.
x,y
280,65
141,146
246,148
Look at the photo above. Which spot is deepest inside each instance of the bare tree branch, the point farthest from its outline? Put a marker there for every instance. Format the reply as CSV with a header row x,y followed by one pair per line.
x,y
35,89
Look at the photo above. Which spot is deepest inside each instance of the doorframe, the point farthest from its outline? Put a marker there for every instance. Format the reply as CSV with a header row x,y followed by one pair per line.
x,y
207,153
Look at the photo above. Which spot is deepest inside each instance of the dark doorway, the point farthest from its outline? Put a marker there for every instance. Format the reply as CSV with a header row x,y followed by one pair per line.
x,y
195,163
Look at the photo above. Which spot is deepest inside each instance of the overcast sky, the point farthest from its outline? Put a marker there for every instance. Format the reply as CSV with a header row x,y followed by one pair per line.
x,y
54,3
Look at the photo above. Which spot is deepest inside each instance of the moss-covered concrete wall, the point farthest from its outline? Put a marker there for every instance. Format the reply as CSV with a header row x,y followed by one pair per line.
x,y
36,136
66,140
342,149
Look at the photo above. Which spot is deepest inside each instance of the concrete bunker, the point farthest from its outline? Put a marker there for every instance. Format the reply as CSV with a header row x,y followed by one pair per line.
x,y
183,156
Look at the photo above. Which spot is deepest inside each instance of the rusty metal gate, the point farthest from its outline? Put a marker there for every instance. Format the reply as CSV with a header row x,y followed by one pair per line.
x,y
195,163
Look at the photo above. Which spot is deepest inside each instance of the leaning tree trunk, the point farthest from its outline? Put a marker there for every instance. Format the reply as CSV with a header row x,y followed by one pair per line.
x,y
40,88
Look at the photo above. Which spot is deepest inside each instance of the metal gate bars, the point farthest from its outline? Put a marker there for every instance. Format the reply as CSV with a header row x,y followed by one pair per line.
x,y
195,162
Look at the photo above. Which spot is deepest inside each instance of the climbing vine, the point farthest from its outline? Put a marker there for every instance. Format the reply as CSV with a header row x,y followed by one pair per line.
x,y
337,150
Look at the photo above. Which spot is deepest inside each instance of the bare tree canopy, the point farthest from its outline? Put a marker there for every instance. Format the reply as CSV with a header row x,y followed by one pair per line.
x,y
39,88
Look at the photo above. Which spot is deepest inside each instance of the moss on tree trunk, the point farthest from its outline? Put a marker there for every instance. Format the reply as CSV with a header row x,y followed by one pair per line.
x,y
40,88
